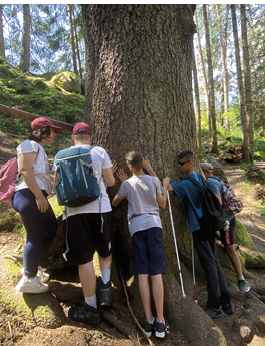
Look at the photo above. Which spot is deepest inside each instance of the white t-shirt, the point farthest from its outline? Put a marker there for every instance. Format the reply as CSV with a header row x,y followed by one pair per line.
x,y
143,209
40,166
100,160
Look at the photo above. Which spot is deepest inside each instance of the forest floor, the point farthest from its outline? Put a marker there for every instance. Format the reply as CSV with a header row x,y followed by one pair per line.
x,y
16,330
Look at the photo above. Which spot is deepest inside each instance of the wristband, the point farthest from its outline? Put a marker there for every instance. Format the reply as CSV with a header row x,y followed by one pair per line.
x,y
39,197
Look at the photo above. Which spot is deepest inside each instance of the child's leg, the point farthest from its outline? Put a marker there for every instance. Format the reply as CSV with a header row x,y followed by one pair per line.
x,y
158,295
145,295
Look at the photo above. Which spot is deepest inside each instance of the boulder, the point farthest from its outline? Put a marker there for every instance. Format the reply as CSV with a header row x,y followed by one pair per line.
x,y
217,169
241,235
68,81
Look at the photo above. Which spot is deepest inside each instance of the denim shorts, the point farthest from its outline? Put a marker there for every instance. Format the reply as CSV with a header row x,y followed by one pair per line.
x,y
148,252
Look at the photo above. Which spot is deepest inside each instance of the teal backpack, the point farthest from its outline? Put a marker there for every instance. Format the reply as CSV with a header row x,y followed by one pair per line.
x,y
75,183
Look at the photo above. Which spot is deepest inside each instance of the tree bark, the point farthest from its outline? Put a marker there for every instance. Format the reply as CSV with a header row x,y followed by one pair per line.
x,y
204,78
197,104
17,113
2,43
248,93
245,133
139,97
210,79
224,63
25,52
69,12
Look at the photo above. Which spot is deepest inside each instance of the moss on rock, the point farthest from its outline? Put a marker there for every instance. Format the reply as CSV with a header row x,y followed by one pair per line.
x,y
241,235
11,221
68,81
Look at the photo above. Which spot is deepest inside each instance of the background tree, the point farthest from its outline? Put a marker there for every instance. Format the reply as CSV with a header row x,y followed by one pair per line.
x,y
25,52
139,97
2,44
245,137
248,93
72,36
210,79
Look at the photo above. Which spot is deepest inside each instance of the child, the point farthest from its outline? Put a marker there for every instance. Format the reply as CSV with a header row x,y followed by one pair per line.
x,y
145,195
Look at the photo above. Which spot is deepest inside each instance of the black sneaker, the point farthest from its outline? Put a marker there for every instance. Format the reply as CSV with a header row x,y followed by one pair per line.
x,y
105,294
228,308
86,314
214,312
149,328
162,329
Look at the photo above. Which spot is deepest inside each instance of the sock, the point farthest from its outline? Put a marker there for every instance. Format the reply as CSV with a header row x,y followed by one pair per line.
x,y
91,301
159,322
152,321
241,277
105,275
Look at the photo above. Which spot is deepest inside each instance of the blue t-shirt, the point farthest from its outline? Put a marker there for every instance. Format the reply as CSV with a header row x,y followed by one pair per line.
x,y
215,186
191,192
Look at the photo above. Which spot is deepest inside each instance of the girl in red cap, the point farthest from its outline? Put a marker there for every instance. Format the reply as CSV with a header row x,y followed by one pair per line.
x,y
30,200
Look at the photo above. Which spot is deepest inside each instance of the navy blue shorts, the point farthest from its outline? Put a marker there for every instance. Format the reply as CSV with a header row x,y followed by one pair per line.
x,y
148,252
227,235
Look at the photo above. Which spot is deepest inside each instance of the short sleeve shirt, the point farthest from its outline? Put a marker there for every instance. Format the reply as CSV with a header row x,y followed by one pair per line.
x,y
143,209
215,186
192,194
40,166
100,160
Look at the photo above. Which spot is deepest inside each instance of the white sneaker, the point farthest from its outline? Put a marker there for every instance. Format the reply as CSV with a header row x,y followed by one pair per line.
x,y
41,275
34,285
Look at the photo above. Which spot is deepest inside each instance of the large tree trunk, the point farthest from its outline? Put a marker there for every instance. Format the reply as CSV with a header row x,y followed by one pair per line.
x,y
2,44
139,97
224,63
248,97
204,78
210,79
197,104
69,12
245,134
25,53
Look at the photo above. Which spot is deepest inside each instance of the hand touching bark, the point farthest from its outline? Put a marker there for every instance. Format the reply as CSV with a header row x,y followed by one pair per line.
x,y
121,175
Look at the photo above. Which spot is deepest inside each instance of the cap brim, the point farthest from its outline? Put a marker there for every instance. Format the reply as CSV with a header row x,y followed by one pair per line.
x,y
57,129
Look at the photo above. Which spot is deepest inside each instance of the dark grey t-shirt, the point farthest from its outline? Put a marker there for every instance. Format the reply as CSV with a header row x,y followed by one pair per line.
x,y
143,209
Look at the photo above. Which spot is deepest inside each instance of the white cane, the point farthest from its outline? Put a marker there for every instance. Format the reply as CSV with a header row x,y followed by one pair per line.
x,y
193,272
175,241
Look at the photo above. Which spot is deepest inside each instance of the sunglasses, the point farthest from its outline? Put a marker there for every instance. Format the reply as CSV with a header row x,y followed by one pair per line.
x,y
183,163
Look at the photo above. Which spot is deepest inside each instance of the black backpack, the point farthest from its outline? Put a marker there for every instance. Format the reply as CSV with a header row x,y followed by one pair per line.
x,y
213,217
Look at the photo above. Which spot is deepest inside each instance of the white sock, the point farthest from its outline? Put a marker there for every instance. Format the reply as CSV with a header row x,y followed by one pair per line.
x,y
91,301
241,277
152,321
105,275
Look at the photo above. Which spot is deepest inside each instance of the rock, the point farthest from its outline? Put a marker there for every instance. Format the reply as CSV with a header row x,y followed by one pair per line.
x,y
68,81
255,174
217,170
11,221
246,334
241,235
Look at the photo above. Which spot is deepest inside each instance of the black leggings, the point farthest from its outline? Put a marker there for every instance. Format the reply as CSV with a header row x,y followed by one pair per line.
x,y
40,227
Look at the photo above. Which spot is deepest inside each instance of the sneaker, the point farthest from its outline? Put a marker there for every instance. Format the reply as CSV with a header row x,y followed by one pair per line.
x,y
149,328
162,329
105,294
214,312
86,314
228,308
243,286
41,275
34,285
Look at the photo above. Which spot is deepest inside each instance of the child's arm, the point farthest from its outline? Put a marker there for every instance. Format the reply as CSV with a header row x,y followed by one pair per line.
x,y
122,176
162,199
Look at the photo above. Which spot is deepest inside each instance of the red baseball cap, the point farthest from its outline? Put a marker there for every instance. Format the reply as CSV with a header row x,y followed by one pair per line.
x,y
41,122
82,129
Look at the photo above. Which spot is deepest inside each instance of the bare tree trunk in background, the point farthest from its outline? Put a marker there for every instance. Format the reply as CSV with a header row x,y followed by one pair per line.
x,y
222,107
197,104
25,52
245,133
69,12
248,93
2,43
139,97
224,63
205,83
77,46
210,79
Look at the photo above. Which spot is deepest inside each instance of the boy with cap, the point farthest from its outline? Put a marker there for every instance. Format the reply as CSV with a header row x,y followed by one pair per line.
x,y
218,294
88,229
227,234
145,195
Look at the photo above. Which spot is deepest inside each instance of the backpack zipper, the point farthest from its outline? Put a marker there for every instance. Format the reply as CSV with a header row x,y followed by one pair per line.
x,y
70,157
